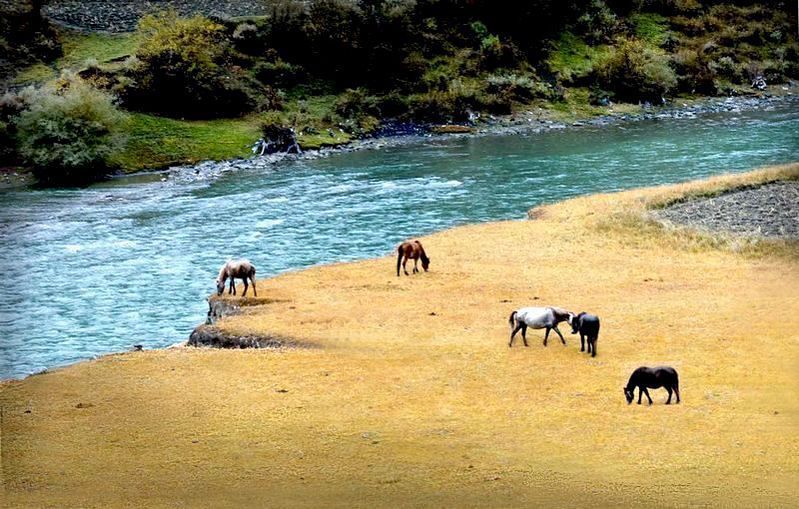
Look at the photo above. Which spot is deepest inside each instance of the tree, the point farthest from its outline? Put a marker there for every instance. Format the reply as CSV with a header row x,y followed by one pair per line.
x,y
68,131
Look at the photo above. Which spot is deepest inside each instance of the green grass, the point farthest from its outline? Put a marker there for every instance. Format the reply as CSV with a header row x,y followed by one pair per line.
x,y
78,49
572,58
650,27
35,73
156,142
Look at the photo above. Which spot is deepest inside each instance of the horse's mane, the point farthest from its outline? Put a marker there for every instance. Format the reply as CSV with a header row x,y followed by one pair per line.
x,y
422,254
560,311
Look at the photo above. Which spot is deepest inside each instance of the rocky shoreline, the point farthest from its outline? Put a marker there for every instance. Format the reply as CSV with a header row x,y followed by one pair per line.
x,y
123,15
521,124
770,210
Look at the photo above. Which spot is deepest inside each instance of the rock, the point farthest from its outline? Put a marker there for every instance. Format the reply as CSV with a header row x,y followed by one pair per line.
x,y
211,336
759,83
452,129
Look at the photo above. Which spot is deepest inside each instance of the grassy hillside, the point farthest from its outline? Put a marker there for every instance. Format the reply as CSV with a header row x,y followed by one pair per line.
x,y
333,70
411,396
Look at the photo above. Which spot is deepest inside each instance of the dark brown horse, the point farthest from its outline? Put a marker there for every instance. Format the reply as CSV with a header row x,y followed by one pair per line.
x,y
652,378
411,249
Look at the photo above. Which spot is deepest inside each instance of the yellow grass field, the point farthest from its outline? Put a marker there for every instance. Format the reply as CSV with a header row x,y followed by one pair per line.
x,y
410,396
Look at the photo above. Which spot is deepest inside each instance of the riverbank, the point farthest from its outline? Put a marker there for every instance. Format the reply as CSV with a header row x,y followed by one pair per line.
x,y
526,123
412,396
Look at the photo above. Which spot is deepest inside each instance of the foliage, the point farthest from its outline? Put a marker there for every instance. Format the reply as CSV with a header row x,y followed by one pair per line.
x,y
156,142
636,71
572,60
519,87
25,36
599,23
68,131
279,74
180,69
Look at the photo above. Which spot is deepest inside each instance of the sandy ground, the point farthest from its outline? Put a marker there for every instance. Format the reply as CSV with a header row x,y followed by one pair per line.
x,y
411,397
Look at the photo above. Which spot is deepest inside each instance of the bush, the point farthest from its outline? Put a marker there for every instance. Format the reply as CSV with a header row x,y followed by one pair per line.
x,y
359,110
599,23
68,131
519,87
180,70
279,74
635,71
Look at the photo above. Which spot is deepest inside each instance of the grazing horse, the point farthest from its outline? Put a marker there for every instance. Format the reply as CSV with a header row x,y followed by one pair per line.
x,y
588,327
538,318
653,378
411,249
236,269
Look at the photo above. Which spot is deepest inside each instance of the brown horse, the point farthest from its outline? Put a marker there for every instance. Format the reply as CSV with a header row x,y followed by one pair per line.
x,y
236,269
411,249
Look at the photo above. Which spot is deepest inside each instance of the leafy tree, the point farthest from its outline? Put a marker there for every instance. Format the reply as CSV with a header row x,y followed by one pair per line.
x,y
635,71
180,69
68,131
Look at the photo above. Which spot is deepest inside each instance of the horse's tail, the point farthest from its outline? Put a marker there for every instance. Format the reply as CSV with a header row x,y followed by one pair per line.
x,y
512,319
399,258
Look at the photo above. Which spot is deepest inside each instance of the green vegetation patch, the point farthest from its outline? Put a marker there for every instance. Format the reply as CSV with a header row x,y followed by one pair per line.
x,y
78,49
650,27
571,57
156,142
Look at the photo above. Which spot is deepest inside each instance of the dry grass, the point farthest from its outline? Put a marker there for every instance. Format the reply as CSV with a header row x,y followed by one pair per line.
x,y
414,398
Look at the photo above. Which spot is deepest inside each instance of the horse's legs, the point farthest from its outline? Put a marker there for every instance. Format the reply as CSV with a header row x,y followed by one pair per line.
x,y
246,285
403,266
668,389
513,333
524,333
254,291
592,342
582,344
415,265
640,393
232,286
555,328
646,391
677,391
546,336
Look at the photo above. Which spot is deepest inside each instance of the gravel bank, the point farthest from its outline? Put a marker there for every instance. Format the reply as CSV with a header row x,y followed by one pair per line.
x,y
770,210
124,15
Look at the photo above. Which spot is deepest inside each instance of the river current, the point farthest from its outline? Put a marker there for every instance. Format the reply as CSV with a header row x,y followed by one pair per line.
x,y
131,261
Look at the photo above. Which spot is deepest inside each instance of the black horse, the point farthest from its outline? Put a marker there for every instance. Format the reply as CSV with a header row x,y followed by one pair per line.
x,y
653,378
588,327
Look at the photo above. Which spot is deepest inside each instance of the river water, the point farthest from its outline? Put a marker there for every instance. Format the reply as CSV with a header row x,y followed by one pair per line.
x,y
131,261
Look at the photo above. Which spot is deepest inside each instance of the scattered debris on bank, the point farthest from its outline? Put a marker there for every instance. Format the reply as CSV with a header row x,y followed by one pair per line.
x,y
770,210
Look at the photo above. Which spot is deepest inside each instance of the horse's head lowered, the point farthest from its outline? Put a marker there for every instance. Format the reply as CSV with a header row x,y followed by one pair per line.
x,y
220,280
574,321
425,262
628,394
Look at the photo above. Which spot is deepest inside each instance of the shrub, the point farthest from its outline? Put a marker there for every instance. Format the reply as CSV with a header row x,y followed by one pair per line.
x,y
695,72
354,103
279,74
68,131
635,71
180,70
519,87
359,110
598,23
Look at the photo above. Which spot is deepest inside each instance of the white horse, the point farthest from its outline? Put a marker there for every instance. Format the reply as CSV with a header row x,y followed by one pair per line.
x,y
538,318
233,269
